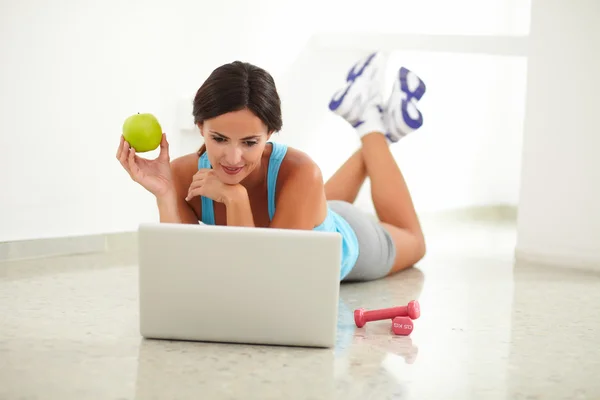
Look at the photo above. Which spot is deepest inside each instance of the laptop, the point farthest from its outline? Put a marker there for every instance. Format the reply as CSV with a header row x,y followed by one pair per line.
x,y
238,284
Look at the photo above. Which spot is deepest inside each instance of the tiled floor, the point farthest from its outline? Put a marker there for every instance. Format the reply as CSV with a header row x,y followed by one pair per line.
x,y
68,330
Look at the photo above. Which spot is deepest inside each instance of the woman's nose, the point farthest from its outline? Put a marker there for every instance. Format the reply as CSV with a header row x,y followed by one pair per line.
x,y
233,155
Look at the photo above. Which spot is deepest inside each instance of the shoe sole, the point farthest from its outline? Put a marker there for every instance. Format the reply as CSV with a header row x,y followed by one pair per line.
x,y
402,107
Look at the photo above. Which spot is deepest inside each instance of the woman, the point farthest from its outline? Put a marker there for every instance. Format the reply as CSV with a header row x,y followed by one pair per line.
x,y
240,178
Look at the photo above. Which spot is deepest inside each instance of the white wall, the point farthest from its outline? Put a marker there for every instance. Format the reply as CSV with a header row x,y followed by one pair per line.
x,y
72,71
559,217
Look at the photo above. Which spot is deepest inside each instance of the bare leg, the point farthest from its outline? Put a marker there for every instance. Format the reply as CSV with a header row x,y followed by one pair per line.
x,y
347,180
392,200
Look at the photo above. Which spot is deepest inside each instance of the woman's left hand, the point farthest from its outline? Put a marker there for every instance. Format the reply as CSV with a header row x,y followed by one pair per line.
x,y
206,183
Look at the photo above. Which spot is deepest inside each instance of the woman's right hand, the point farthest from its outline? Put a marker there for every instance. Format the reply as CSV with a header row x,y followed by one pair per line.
x,y
154,175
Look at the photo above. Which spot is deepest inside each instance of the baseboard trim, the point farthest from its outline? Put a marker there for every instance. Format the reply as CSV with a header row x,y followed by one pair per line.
x,y
487,213
574,262
67,246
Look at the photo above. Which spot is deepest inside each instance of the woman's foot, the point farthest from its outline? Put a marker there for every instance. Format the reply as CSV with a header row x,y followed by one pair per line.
x,y
359,101
401,115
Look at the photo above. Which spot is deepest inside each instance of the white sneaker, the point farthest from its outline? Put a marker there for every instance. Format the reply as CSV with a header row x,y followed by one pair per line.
x,y
401,115
359,100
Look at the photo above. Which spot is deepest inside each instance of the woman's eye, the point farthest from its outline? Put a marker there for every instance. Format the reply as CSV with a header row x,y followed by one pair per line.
x,y
219,139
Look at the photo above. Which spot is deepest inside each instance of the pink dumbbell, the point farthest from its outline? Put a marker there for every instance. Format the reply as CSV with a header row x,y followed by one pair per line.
x,y
412,310
402,326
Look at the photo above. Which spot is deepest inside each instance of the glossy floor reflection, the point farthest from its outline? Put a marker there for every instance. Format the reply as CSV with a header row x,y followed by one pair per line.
x,y
68,330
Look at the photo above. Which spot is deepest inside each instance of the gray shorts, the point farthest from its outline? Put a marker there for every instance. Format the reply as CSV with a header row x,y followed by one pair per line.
x,y
377,250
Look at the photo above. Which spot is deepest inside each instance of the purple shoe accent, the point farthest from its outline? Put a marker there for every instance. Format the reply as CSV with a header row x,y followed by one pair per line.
x,y
358,123
416,94
351,77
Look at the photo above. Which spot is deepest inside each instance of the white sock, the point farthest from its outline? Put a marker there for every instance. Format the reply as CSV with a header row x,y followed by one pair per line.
x,y
372,121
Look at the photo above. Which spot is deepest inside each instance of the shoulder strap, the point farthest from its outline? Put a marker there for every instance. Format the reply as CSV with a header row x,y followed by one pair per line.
x,y
208,211
277,155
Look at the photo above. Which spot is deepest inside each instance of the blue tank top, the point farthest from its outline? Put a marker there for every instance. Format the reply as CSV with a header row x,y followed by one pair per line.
x,y
332,223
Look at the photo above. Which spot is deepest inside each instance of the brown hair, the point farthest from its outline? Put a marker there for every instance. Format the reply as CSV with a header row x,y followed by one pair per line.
x,y
236,86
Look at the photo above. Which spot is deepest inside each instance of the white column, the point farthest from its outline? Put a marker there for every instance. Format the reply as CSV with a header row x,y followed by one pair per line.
x,y
559,209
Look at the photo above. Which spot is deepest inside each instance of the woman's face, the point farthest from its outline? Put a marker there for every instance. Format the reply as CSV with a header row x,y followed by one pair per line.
x,y
234,144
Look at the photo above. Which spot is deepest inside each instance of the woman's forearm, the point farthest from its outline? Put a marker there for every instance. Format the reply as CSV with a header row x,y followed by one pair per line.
x,y
239,212
168,209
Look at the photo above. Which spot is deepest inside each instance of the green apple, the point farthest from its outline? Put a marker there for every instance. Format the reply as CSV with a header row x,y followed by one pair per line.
x,y
143,132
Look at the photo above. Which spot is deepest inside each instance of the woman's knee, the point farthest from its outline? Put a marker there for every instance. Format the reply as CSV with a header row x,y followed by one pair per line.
x,y
410,246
